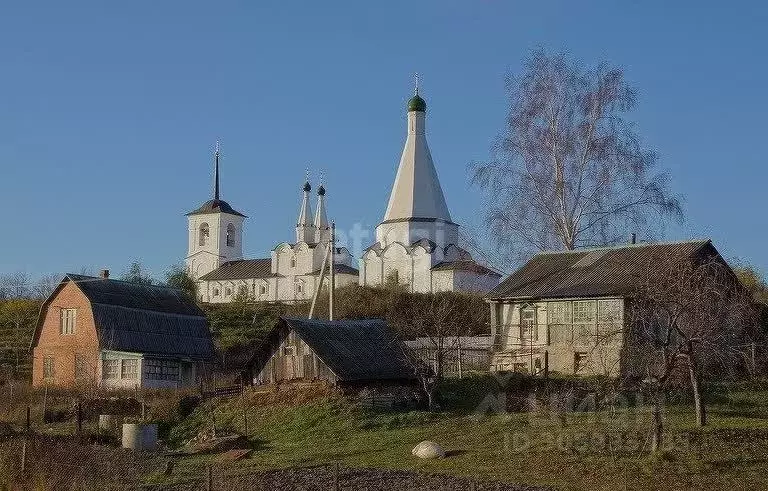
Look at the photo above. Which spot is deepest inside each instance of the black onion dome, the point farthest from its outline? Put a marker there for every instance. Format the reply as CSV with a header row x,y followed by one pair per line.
x,y
307,186
321,190
215,206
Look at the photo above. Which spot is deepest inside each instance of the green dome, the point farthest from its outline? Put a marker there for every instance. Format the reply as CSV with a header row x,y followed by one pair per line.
x,y
417,104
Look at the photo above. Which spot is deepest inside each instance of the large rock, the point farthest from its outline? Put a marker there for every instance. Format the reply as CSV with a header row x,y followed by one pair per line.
x,y
428,450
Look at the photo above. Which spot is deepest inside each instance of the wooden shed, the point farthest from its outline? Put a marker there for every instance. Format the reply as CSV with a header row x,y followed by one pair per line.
x,y
344,353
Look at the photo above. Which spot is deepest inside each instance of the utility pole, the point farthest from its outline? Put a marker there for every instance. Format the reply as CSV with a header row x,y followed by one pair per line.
x,y
333,270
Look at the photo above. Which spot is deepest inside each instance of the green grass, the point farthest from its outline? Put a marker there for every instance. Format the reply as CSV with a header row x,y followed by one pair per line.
x,y
600,450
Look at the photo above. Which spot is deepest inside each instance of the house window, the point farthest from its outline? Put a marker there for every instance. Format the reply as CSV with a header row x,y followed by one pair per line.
x,y
204,234
583,311
162,369
230,235
110,369
81,366
579,361
528,328
68,321
559,312
609,310
129,369
48,367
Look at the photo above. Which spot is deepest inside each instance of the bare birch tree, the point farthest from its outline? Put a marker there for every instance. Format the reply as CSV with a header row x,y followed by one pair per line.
x,y
440,318
568,170
688,318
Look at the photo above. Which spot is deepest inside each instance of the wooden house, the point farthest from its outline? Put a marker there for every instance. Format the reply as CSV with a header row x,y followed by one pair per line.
x,y
347,353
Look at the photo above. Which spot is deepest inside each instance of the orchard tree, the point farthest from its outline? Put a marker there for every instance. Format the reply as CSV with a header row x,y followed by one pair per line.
x,y
568,169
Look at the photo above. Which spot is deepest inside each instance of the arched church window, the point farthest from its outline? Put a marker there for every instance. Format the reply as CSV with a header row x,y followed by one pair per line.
x,y
293,262
230,235
215,292
205,233
263,290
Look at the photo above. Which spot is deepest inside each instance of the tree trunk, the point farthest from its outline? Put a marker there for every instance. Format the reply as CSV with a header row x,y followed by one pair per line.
x,y
658,426
698,403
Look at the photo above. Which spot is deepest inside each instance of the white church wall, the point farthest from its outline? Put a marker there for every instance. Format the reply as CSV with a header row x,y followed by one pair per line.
x,y
422,276
442,281
397,258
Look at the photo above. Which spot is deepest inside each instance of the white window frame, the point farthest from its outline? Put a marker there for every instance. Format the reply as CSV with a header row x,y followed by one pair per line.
x,y
576,307
613,306
129,369
68,321
110,369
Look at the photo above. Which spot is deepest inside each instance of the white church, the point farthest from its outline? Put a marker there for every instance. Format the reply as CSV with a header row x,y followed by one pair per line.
x,y
416,243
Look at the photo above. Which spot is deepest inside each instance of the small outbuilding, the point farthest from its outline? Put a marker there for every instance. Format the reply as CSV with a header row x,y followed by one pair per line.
x,y
345,353
116,334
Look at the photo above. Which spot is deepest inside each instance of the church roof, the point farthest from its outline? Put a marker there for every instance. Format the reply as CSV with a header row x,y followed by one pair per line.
x,y
241,270
416,192
341,269
465,265
215,206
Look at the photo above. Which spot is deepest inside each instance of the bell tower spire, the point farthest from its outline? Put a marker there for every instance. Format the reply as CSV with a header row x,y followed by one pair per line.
x,y
322,233
216,173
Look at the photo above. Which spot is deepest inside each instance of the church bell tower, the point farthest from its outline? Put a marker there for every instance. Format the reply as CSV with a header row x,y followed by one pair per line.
x,y
215,232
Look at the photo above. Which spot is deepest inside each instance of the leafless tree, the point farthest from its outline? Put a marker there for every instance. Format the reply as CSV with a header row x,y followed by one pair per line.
x,y
43,287
568,170
689,317
441,319
14,285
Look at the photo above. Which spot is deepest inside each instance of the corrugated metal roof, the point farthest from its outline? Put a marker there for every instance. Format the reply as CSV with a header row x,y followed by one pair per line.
x,y
590,272
355,350
241,270
144,318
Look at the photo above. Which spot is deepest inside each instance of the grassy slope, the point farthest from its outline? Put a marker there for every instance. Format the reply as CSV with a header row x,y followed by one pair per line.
x,y
522,448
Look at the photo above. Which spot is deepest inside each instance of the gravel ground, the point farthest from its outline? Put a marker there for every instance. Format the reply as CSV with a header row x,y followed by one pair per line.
x,y
323,478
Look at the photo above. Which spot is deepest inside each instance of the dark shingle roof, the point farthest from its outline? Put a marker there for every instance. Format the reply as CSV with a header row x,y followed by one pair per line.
x,y
355,350
240,270
341,269
464,265
215,206
590,272
144,318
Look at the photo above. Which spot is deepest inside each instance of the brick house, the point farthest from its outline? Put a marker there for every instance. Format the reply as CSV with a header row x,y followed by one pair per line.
x,y
95,331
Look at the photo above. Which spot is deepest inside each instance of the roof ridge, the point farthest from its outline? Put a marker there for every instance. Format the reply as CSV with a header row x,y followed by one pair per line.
x,y
624,246
98,278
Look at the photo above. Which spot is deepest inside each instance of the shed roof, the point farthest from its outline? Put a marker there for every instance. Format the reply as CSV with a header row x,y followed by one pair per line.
x,y
355,350
591,272
142,318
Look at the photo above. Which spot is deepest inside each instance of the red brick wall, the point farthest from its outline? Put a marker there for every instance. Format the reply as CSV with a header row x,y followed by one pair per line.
x,y
63,347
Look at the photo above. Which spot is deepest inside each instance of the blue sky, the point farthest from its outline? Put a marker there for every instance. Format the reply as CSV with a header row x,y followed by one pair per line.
x,y
109,112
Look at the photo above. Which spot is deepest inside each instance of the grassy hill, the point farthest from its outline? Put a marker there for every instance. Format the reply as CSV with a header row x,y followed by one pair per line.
x,y
601,450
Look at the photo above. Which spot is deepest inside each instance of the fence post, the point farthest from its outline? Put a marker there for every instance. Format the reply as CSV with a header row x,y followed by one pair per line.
x,y
23,456
79,417
45,402
28,422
